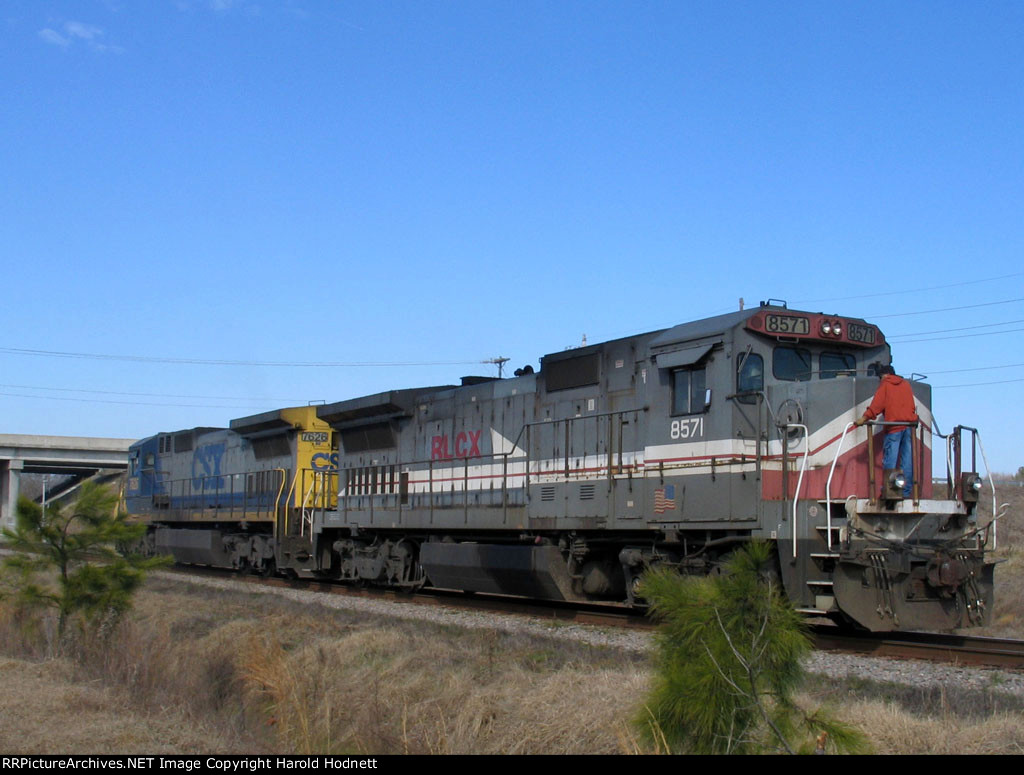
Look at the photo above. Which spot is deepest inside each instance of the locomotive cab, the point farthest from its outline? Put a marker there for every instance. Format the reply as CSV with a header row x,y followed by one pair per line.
x,y
851,546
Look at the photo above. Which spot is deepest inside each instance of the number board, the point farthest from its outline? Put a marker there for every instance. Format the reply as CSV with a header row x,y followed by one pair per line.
x,y
317,437
787,324
862,334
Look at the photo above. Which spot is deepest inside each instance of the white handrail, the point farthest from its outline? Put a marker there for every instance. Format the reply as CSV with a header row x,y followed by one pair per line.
x,y
800,479
992,484
307,514
828,485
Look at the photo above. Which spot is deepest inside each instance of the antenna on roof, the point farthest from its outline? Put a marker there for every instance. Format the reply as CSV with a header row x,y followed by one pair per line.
x,y
741,303
500,361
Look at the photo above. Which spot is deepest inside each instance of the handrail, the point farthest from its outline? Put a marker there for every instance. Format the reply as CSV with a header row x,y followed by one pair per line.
x,y
828,484
956,438
317,496
305,501
514,454
871,453
195,495
288,497
800,479
992,484
277,501
948,438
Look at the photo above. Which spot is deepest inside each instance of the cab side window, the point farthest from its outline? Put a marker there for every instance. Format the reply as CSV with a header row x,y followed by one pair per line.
x,y
792,364
688,390
837,364
749,378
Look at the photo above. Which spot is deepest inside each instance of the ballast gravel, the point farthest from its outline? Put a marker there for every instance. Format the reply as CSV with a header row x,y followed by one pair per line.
x,y
915,673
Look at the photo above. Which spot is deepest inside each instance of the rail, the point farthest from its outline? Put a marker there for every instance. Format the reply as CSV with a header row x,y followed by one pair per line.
x,y
609,428
954,466
916,461
255,495
828,485
916,456
800,479
939,647
370,482
954,479
320,496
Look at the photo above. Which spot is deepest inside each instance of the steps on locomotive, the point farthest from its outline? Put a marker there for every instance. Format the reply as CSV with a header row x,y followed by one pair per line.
x,y
823,563
824,557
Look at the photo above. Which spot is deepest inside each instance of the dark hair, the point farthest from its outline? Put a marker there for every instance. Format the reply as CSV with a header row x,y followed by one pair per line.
x,y
885,369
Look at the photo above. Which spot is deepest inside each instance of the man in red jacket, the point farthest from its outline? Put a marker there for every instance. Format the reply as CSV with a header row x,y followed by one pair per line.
x,y
895,399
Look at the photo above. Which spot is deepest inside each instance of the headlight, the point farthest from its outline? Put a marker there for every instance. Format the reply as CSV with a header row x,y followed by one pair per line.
x,y
970,486
897,481
826,329
837,330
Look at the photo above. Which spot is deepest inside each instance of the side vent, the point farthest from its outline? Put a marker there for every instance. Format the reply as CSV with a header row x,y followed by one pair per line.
x,y
587,492
547,492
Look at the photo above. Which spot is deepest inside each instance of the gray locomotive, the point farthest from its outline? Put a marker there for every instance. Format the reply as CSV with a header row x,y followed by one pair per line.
x,y
668,448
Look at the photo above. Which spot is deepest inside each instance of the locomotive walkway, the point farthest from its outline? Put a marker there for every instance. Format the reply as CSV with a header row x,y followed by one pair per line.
x,y
31,454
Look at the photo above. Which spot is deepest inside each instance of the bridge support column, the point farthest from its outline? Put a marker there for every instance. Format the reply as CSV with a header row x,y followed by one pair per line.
x,y
10,486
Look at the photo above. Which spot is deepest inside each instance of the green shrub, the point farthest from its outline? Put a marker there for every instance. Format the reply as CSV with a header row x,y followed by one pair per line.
x,y
66,561
729,661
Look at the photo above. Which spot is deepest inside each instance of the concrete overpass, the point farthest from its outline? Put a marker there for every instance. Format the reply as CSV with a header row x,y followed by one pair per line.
x,y
52,455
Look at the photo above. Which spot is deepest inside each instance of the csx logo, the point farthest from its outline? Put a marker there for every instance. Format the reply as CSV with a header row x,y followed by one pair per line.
x,y
206,467
322,461
467,444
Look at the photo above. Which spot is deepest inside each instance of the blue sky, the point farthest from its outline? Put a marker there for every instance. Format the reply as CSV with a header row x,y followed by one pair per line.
x,y
445,182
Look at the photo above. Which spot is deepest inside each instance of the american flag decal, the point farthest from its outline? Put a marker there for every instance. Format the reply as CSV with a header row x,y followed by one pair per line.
x,y
665,499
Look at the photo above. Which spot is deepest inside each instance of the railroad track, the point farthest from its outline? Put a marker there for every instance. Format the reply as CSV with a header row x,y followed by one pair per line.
x,y
610,614
936,647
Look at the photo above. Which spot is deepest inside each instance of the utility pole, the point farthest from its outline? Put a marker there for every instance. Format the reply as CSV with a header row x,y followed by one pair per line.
x,y
500,362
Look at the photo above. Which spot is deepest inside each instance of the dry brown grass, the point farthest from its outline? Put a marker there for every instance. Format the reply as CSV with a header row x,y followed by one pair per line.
x,y
398,691
45,710
894,731
270,677
1008,615
195,669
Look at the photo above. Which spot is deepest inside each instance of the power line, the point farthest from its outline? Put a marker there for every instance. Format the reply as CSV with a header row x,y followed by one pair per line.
x,y
976,384
257,399
911,290
949,330
961,336
128,403
944,309
226,362
725,310
978,368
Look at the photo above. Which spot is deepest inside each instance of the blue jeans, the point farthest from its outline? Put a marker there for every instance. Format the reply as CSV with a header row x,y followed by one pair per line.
x,y
899,445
